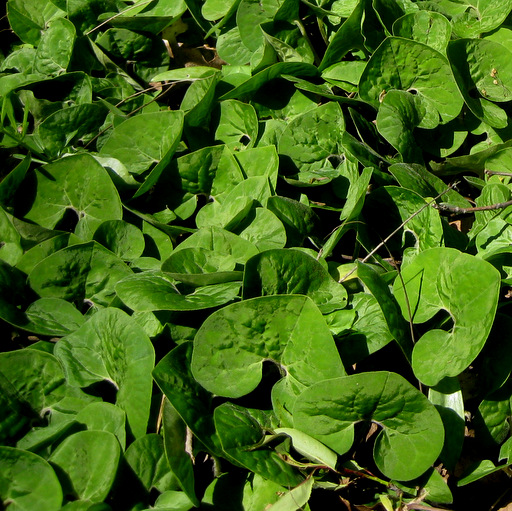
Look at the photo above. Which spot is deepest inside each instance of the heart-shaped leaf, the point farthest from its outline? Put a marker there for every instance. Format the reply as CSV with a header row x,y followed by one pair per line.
x,y
483,70
104,348
153,291
60,186
240,435
467,289
79,272
28,481
411,66
412,435
232,344
278,272
89,459
144,139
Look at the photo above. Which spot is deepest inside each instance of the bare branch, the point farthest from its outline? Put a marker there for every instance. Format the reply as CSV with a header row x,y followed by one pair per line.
x,y
466,211
497,173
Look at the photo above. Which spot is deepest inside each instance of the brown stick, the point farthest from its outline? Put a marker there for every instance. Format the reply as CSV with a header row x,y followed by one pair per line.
x,y
466,211
497,173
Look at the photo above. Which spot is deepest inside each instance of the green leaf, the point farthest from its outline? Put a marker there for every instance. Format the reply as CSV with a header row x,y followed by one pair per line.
x,y
298,219
467,289
314,136
500,161
255,82
424,183
288,42
146,457
45,248
295,498
480,16
309,447
66,126
234,207
408,65
437,489
104,348
495,359
265,230
347,37
185,74
89,460
144,139
190,400
231,49
10,246
483,71
240,436
179,460
223,242
250,15
104,416
285,271
29,19
369,332
153,291
493,415
201,267
60,187
28,481
345,74
448,400
199,100
401,204
30,381
173,501
506,451
399,114
356,195
477,471
238,125
10,183
80,272
426,27
260,161
153,18
52,316
231,345
121,238
486,221
412,435
474,162
216,9
387,303
35,376
55,47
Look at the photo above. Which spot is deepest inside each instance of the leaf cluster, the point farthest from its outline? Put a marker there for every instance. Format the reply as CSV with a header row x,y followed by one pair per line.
x,y
255,254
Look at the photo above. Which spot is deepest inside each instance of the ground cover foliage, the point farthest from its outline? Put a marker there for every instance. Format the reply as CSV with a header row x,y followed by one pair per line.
x,y
255,255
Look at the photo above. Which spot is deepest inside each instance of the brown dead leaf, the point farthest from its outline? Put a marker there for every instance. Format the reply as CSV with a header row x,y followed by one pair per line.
x,y
373,429
186,56
463,224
